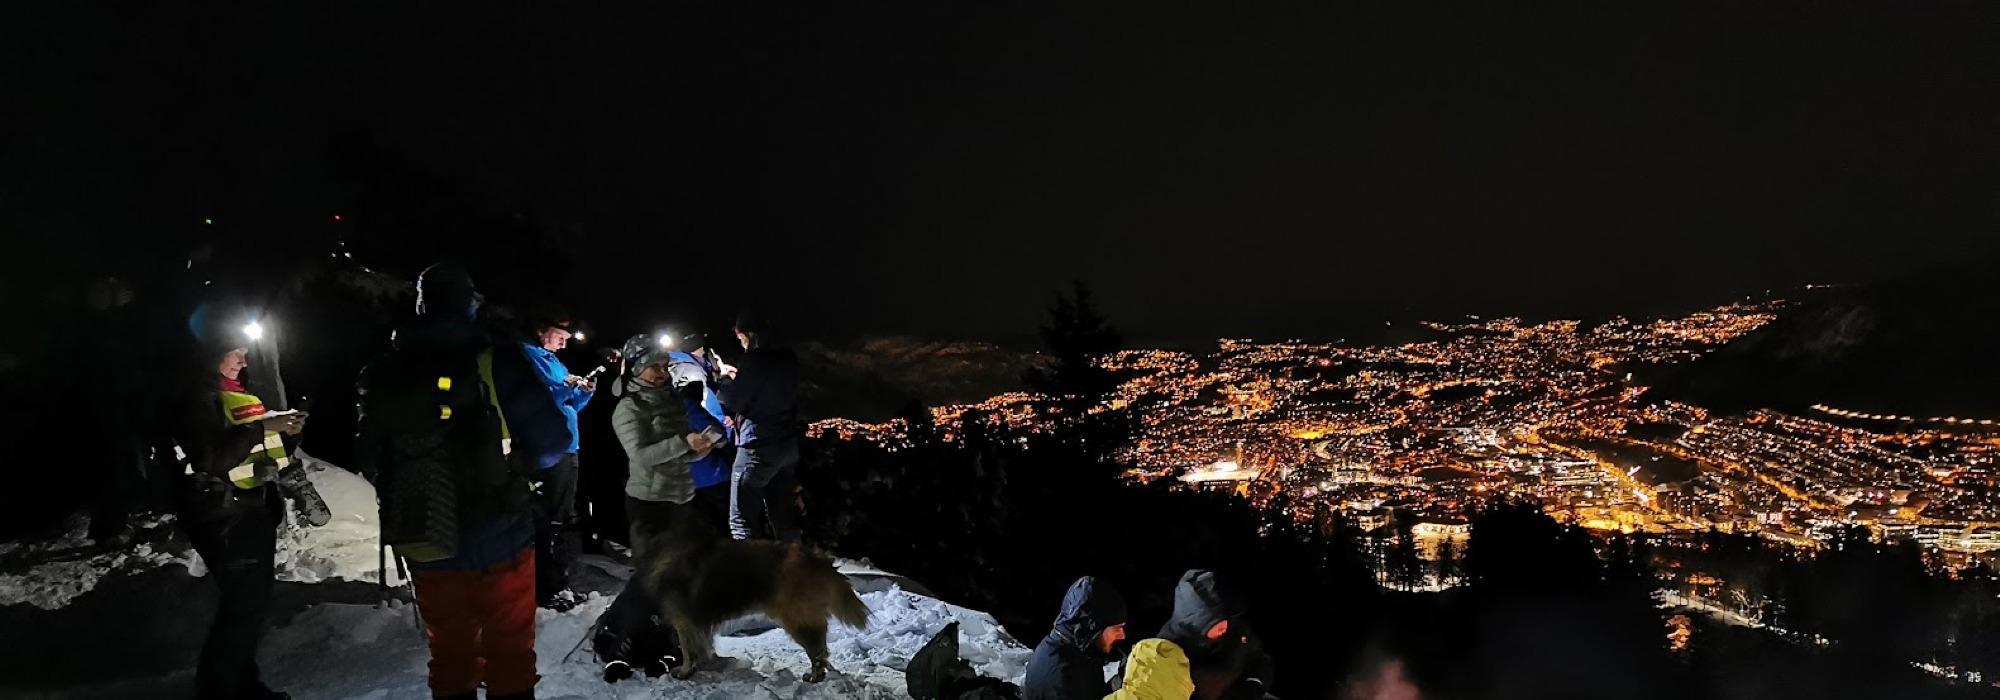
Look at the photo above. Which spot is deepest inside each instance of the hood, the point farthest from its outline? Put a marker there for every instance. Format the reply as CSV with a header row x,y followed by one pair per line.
x,y
1157,669
1200,601
1087,609
687,369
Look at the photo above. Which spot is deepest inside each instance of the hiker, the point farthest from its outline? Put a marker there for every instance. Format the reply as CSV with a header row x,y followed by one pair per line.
x,y
1069,663
1156,670
761,397
229,506
557,542
1208,624
696,371
432,437
652,425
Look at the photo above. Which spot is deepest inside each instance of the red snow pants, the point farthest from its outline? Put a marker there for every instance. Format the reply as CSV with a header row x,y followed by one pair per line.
x,y
481,626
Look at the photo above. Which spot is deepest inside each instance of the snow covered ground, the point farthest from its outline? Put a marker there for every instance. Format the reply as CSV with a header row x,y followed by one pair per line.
x,y
61,570
345,547
56,572
359,651
347,650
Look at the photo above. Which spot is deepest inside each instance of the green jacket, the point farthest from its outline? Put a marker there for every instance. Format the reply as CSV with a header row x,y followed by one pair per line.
x,y
652,424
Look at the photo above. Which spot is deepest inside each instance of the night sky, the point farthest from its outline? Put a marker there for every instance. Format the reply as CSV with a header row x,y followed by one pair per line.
x,y
939,168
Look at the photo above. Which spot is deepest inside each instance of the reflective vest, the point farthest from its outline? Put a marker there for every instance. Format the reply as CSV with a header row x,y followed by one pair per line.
x,y
264,460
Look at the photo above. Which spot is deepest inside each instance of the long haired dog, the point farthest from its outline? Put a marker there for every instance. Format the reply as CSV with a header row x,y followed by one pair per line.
x,y
705,581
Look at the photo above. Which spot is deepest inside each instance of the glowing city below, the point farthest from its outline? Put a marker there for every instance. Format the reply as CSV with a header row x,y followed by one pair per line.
x,y
1502,408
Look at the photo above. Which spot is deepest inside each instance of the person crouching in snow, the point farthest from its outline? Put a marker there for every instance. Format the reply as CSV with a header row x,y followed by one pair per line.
x,y
1209,624
230,510
653,427
1156,670
1069,663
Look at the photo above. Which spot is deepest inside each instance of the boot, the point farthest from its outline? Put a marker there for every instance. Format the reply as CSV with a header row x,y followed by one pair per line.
x,y
617,670
658,649
614,649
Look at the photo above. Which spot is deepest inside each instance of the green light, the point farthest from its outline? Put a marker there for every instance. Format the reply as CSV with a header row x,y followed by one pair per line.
x,y
210,222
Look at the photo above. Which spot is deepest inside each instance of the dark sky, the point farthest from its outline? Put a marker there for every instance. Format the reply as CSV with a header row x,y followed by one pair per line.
x,y
1221,169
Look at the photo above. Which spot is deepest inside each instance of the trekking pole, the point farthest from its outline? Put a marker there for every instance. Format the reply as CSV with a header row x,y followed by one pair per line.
x,y
587,634
417,611
381,571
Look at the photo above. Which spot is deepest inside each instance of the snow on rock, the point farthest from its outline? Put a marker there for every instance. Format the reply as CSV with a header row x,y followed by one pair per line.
x,y
344,548
58,571
358,651
54,573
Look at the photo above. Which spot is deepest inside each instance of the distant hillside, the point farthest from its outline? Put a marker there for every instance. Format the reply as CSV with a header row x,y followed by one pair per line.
x,y
872,379
1928,345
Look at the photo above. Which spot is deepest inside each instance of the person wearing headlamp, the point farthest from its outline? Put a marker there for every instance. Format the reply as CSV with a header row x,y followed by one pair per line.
x,y
654,426
557,542
695,370
232,448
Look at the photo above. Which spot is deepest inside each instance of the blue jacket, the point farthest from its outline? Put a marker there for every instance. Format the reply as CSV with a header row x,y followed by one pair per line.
x,y
703,412
1067,664
570,398
541,431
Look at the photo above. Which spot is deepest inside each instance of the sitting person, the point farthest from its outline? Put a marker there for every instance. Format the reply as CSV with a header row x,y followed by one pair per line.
x,y
1227,660
1156,670
1069,663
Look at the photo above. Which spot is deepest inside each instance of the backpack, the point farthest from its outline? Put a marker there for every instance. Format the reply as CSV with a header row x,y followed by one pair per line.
x,y
430,436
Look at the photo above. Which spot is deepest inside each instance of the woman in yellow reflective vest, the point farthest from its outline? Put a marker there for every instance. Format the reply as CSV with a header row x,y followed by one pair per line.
x,y
232,450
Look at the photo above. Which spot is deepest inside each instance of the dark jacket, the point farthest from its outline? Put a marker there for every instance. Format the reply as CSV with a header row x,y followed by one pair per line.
x,y
401,395
764,396
1067,664
211,446
1233,667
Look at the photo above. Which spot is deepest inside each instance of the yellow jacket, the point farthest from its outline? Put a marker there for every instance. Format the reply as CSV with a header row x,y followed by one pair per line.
x,y
1156,670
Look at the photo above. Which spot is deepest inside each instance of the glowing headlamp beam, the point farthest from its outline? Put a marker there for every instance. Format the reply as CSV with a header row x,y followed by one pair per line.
x,y
253,331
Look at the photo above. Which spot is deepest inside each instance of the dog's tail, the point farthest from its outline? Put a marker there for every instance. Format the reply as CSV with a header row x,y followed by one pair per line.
x,y
848,609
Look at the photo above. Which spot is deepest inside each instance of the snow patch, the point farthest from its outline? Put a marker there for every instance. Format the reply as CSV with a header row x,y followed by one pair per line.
x,y
346,547
57,572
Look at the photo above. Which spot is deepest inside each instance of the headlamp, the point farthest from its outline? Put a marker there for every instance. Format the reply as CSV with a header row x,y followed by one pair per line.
x,y
253,331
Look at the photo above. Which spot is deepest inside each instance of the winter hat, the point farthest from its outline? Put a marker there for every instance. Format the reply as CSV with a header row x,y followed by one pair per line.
x,y
1200,601
751,322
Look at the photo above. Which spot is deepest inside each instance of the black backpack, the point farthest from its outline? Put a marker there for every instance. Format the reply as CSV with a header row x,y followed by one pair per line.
x,y
430,438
